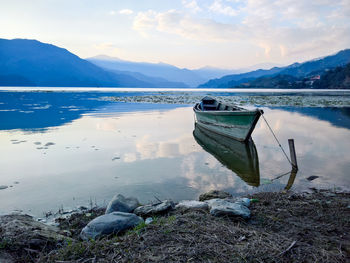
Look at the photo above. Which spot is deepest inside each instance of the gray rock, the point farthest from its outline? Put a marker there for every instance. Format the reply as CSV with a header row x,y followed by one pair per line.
x,y
2,187
192,204
148,220
220,207
243,201
23,231
121,204
213,194
312,177
112,223
153,209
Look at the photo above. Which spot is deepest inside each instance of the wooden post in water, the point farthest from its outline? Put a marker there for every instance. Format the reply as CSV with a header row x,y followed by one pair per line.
x,y
293,156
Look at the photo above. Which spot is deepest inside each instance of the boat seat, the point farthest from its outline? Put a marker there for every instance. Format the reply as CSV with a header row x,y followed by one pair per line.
x,y
208,106
221,107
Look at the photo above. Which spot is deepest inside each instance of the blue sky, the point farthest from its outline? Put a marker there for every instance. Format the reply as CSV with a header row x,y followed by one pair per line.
x,y
185,33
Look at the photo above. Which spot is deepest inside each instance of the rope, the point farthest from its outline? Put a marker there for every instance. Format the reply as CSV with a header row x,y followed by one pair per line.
x,y
279,144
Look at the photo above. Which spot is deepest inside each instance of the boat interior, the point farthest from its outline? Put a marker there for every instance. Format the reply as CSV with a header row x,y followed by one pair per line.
x,y
210,104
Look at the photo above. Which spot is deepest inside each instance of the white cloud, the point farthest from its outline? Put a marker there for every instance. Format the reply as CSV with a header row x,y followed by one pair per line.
x,y
145,20
107,48
126,12
192,5
279,29
219,7
177,23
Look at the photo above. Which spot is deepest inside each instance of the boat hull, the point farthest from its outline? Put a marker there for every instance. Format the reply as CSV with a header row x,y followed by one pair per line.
x,y
237,125
239,157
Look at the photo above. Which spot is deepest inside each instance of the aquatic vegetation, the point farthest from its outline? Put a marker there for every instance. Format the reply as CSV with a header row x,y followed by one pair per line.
x,y
256,100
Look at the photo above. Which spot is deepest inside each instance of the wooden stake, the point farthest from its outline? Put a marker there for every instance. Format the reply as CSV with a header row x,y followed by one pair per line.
x,y
293,156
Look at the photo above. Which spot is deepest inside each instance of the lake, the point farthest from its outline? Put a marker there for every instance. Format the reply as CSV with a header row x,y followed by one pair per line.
x,y
62,148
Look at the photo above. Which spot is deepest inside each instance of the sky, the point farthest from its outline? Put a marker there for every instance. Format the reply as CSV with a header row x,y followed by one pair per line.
x,y
190,34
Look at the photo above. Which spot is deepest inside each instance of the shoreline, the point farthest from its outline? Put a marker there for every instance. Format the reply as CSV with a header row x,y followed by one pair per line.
x,y
284,227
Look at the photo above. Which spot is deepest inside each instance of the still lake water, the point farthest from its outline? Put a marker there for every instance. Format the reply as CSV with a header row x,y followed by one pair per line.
x,y
65,149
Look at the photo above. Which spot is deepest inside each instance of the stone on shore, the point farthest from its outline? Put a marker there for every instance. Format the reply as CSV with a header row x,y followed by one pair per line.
x,y
214,194
107,224
22,231
243,201
154,209
121,204
220,207
192,204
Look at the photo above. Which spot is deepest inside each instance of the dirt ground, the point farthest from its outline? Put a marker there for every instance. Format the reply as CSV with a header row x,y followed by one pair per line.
x,y
284,227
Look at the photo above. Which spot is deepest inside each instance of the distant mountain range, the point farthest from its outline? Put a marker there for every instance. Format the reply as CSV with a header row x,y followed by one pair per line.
x,y
267,78
160,71
32,63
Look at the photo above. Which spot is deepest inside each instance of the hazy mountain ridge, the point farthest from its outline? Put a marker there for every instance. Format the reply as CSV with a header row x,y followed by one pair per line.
x,y
296,70
336,78
191,78
237,79
32,63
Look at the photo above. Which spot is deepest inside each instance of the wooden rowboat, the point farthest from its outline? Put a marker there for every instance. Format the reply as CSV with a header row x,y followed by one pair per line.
x,y
228,120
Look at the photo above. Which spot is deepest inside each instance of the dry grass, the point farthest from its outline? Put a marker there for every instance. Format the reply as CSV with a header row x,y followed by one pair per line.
x,y
283,228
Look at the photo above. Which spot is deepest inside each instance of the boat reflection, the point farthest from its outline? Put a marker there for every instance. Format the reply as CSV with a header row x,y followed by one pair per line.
x,y
241,158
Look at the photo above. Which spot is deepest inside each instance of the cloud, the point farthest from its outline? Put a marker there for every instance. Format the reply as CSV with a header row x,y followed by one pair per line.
x,y
107,48
218,7
174,22
126,12
279,29
192,5
145,20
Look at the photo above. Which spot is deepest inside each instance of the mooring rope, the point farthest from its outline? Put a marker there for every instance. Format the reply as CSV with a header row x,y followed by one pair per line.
x,y
279,144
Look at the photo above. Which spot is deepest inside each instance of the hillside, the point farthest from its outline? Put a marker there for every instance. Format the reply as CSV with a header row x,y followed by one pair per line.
x,y
161,71
155,70
32,63
297,70
338,78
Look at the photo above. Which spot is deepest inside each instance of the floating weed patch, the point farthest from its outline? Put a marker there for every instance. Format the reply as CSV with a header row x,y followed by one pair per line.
x,y
313,100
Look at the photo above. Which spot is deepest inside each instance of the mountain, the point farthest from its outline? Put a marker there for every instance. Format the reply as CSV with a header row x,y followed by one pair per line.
x,y
162,71
154,70
338,78
207,73
32,63
297,70
230,81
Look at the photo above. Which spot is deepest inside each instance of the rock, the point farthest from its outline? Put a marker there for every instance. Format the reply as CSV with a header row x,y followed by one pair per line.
x,y
153,209
213,194
220,207
312,177
121,204
243,201
2,187
192,204
107,224
22,231
148,220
